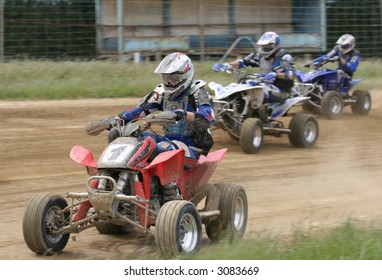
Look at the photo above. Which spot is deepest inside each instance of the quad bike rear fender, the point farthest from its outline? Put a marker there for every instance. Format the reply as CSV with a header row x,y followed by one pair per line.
x,y
279,110
168,166
198,172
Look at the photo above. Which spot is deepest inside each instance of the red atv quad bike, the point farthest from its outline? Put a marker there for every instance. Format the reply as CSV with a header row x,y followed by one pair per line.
x,y
131,187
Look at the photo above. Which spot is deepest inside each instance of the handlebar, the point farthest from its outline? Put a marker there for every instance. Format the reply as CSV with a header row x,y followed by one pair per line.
x,y
317,65
241,76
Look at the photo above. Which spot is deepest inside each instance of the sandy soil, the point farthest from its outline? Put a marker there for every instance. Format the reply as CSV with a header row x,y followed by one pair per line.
x,y
340,178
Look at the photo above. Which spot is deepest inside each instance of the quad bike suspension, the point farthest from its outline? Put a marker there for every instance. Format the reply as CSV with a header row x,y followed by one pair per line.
x,y
171,192
85,206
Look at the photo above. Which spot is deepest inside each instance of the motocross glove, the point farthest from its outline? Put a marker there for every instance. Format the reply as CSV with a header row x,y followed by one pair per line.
x,y
180,114
260,75
307,64
113,121
270,77
221,67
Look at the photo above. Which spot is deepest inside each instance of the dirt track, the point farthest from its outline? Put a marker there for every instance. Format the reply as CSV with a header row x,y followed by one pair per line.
x,y
316,188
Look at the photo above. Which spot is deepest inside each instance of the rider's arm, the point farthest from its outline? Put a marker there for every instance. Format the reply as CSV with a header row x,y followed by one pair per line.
x,y
235,64
206,112
148,104
253,60
351,65
330,54
250,60
288,68
204,108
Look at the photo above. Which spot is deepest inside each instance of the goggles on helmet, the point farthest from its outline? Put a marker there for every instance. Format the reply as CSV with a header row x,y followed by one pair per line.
x,y
267,48
172,80
346,46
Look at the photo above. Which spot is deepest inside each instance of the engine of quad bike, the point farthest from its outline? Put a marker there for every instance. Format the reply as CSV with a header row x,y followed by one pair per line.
x,y
161,194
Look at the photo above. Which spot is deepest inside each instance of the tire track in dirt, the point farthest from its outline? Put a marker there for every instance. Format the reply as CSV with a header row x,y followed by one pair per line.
x,y
313,188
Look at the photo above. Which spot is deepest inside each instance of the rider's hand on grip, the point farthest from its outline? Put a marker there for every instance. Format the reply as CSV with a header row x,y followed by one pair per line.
x,y
94,128
217,67
270,77
221,67
180,114
260,75
307,64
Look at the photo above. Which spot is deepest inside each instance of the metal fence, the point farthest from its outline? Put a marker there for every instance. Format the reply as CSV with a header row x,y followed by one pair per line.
x,y
96,29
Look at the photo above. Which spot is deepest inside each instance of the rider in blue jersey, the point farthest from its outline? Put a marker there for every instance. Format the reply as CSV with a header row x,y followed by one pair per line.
x,y
275,63
348,59
187,98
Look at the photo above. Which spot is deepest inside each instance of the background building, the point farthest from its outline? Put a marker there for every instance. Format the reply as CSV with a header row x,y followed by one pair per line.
x,y
88,29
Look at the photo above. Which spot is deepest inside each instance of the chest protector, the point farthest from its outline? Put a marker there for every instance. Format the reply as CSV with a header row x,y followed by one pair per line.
x,y
275,64
183,130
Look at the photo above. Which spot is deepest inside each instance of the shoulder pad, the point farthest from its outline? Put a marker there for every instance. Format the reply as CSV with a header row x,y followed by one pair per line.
x,y
197,85
355,52
281,52
159,89
154,96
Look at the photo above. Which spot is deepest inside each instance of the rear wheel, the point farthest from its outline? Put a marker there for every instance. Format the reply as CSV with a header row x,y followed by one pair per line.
x,y
178,228
304,130
233,207
332,105
43,215
251,135
363,102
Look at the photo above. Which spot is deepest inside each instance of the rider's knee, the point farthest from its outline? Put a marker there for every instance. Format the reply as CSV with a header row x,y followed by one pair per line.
x,y
164,146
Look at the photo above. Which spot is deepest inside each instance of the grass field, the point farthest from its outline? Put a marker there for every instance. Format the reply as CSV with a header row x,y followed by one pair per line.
x,y
346,242
104,79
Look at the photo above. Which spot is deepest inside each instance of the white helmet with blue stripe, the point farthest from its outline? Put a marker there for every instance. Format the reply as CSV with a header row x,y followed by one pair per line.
x,y
268,44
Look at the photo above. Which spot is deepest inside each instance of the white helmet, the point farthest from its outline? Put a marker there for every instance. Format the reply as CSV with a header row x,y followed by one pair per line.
x,y
177,74
268,44
346,43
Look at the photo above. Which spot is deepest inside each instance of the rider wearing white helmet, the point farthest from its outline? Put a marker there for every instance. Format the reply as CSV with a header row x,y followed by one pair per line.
x,y
348,58
275,63
189,99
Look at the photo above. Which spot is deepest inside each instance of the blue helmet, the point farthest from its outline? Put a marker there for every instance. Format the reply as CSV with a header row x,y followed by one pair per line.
x,y
268,44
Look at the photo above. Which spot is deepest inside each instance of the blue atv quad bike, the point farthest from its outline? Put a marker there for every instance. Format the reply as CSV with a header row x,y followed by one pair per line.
x,y
327,96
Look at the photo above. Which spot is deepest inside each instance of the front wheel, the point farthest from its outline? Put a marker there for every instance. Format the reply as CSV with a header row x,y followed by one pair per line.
x,y
362,105
233,207
44,215
304,130
251,135
332,105
178,228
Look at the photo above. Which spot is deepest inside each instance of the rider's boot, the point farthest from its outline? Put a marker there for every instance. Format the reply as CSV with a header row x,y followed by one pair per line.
x,y
263,114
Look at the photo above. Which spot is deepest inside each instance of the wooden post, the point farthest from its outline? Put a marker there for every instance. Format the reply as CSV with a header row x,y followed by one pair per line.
x,y
121,37
99,33
201,30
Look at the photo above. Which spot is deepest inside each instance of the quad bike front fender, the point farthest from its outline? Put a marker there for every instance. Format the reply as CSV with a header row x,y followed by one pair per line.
x,y
355,82
84,157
